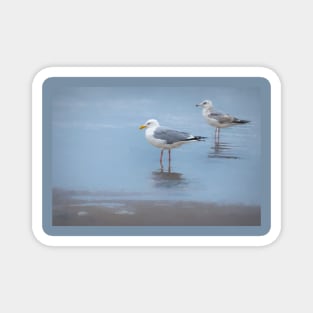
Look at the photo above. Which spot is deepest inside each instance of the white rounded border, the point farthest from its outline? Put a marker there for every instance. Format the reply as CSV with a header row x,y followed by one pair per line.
x,y
263,72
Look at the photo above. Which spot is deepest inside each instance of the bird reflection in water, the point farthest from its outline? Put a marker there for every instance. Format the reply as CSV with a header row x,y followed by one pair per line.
x,y
168,179
222,150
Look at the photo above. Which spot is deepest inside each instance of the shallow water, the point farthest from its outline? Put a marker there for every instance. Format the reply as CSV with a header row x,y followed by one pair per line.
x,y
97,146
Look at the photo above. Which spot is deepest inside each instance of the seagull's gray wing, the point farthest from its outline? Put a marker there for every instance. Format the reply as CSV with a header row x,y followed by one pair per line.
x,y
170,135
226,118
221,117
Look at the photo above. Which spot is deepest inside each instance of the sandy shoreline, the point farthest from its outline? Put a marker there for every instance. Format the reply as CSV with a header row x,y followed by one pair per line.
x,y
70,211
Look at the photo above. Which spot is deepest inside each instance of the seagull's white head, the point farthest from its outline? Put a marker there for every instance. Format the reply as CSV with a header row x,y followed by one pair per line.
x,y
152,123
206,104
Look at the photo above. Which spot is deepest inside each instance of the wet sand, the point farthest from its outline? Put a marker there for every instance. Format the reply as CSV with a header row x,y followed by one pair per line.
x,y
70,210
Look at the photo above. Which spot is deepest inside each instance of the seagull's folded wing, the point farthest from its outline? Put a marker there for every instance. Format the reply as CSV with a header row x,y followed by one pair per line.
x,y
170,135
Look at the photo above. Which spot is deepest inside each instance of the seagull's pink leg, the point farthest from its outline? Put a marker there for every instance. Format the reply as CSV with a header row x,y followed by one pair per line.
x,y
169,160
217,135
161,158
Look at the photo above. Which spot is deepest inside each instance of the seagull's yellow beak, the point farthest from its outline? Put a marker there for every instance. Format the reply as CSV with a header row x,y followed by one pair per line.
x,y
142,126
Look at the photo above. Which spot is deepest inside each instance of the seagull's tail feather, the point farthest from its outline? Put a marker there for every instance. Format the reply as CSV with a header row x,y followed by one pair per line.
x,y
238,121
197,138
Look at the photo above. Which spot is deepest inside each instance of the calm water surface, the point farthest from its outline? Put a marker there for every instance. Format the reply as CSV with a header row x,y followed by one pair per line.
x,y
97,146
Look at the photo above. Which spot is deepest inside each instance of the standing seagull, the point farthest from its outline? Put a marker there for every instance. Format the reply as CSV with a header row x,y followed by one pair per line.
x,y
165,138
218,119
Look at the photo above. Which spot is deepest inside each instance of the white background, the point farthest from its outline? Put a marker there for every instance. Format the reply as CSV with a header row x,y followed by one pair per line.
x,y
37,34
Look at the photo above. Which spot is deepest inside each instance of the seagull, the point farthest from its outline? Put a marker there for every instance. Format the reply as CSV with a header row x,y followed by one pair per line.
x,y
166,138
218,119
